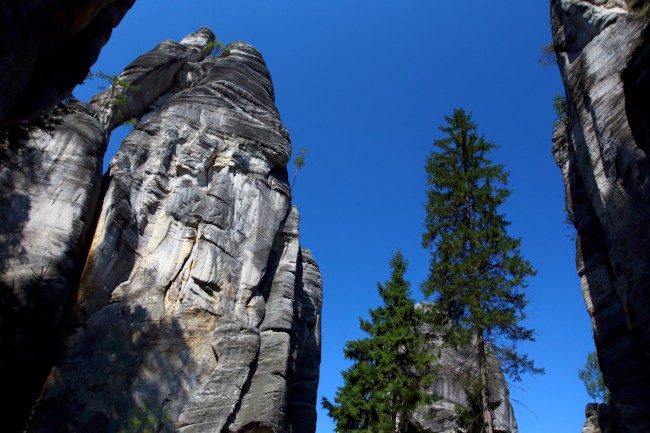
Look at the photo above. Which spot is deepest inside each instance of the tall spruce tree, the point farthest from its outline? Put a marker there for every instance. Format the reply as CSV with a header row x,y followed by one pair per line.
x,y
476,273
390,367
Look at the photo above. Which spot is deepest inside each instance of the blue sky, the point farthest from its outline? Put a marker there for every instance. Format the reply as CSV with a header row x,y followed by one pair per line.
x,y
363,85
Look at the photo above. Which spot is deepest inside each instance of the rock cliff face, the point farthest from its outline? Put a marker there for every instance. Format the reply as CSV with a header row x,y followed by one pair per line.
x,y
47,47
185,303
602,150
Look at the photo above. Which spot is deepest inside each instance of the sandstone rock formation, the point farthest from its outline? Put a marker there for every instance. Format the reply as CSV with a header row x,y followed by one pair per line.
x,y
49,188
47,47
602,150
197,309
456,368
598,419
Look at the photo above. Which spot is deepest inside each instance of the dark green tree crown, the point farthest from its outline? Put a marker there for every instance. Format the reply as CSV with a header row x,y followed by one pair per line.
x,y
385,382
476,273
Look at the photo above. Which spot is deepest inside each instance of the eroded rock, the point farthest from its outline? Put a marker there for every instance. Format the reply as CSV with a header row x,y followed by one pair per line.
x,y
49,188
49,192
197,309
598,419
456,371
603,54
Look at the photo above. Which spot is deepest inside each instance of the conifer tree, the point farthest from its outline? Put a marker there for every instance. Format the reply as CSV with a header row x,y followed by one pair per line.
x,y
476,273
390,367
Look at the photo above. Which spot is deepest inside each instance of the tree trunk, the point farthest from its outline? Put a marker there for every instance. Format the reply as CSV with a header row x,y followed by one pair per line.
x,y
485,391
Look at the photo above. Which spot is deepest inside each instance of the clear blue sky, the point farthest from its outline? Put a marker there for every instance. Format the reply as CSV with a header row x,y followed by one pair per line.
x,y
364,85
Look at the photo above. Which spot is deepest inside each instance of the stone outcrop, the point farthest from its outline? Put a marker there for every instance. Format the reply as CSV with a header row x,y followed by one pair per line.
x,y
186,303
47,47
456,368
598,419
602,149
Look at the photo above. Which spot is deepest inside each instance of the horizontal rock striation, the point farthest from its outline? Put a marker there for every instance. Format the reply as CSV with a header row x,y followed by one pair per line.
x,y
50,182
602,150
193,306
47,47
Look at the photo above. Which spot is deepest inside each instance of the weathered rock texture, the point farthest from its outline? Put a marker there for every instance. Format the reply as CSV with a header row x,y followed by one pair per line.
x,y
49,188
197,310
47,47
602,149
456,369
598,419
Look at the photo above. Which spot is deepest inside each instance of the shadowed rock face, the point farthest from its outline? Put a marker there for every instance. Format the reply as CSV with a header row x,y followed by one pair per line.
x,y
602,150
197,310
47,47
598,419
49,188
636,4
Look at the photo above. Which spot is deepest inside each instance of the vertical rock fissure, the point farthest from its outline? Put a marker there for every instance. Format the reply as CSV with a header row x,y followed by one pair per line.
x,y
247,386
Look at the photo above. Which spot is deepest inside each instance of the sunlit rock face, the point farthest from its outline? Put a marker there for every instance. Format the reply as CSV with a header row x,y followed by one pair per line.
x,y
50,182
194,307
602,150
47,47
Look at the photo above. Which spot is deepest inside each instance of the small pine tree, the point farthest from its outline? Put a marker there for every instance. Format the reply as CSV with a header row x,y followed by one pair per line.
x,y
476,271
560,108
547,55
390,367
213,48
299,163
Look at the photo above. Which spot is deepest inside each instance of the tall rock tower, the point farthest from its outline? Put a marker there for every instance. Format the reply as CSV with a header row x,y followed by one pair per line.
x,y
177,289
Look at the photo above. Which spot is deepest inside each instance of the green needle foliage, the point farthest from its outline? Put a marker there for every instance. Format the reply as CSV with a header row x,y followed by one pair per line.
x,y
213,48
476,271
469,419
547,55
299,163
593,379
390,367
559,106
119,88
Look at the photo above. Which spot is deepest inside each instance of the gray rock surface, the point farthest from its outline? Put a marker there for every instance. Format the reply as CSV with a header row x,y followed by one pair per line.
x,y
50,181
598,419
305,373
49,187
197,310
47,47
152,79
602,150
455,369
